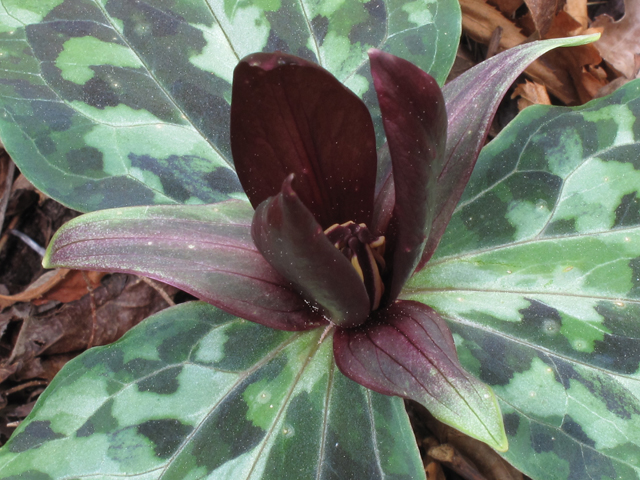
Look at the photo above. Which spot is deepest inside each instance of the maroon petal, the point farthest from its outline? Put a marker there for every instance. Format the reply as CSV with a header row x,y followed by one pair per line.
x,y
407,350
415,122
292,116
205,250
291,240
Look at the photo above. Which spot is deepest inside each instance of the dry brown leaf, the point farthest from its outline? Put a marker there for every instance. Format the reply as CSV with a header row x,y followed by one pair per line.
x,y
579,62
578,11
531,93
60,284
121,302
543,13
73,287
479,20
507,7
620,40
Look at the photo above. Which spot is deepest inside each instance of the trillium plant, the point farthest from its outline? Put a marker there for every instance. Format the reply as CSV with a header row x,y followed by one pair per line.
x,y
299,169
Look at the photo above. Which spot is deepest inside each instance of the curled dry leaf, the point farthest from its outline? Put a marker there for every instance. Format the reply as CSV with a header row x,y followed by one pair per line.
x,y
620,41
531,93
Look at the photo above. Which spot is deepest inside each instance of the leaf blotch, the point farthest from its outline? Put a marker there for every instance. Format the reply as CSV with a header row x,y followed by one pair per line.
x,y
164,383
33,436
575,431
102,421
166,435
541,439
511,423
98,93
86,158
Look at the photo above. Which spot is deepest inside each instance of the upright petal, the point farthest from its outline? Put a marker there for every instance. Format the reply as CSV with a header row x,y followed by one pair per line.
x,y
292,116
407,350
205,250
295,245
415,122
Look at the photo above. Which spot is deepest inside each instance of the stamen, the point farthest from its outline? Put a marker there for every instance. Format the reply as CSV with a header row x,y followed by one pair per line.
x,y
366,254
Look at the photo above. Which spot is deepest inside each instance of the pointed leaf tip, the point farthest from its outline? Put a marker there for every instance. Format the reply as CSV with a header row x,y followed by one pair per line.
x,y
205,250
292,241
407,350
472,100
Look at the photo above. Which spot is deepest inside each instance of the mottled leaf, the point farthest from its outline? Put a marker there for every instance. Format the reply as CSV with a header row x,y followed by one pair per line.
x,y
205,250
119,102
293,242
195,393
472,100
538,275
407,350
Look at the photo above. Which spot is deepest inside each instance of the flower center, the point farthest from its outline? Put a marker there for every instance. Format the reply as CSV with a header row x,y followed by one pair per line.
x,y
365,251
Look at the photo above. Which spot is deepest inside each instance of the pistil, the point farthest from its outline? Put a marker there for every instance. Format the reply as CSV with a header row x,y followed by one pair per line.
x,y
365,252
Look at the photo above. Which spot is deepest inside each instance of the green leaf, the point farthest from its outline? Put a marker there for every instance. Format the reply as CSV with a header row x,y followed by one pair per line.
x,y
472,100
538,275
116,103
195,393
205,250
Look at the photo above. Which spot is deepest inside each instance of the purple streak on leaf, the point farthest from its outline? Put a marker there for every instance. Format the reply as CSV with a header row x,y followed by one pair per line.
x,y
415,123
292,116
472,100
205,250
293,242
407,350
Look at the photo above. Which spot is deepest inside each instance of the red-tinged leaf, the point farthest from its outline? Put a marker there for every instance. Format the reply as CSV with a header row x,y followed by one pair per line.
x,y
205,250
415,122
291,240
472,100
292,116
407,350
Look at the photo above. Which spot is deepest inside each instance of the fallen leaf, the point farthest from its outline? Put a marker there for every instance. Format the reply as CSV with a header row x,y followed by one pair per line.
x,y
479,20
579,62
507,7
620,40
543,13
73,287
531,93
578,11
61,284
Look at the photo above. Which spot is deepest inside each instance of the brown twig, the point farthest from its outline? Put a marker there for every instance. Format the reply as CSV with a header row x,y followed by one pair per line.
x,y
158,289
94,315
8,183
5,235
22,386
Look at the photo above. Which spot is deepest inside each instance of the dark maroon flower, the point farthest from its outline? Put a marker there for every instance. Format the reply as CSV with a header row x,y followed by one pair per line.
x,y
304,149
